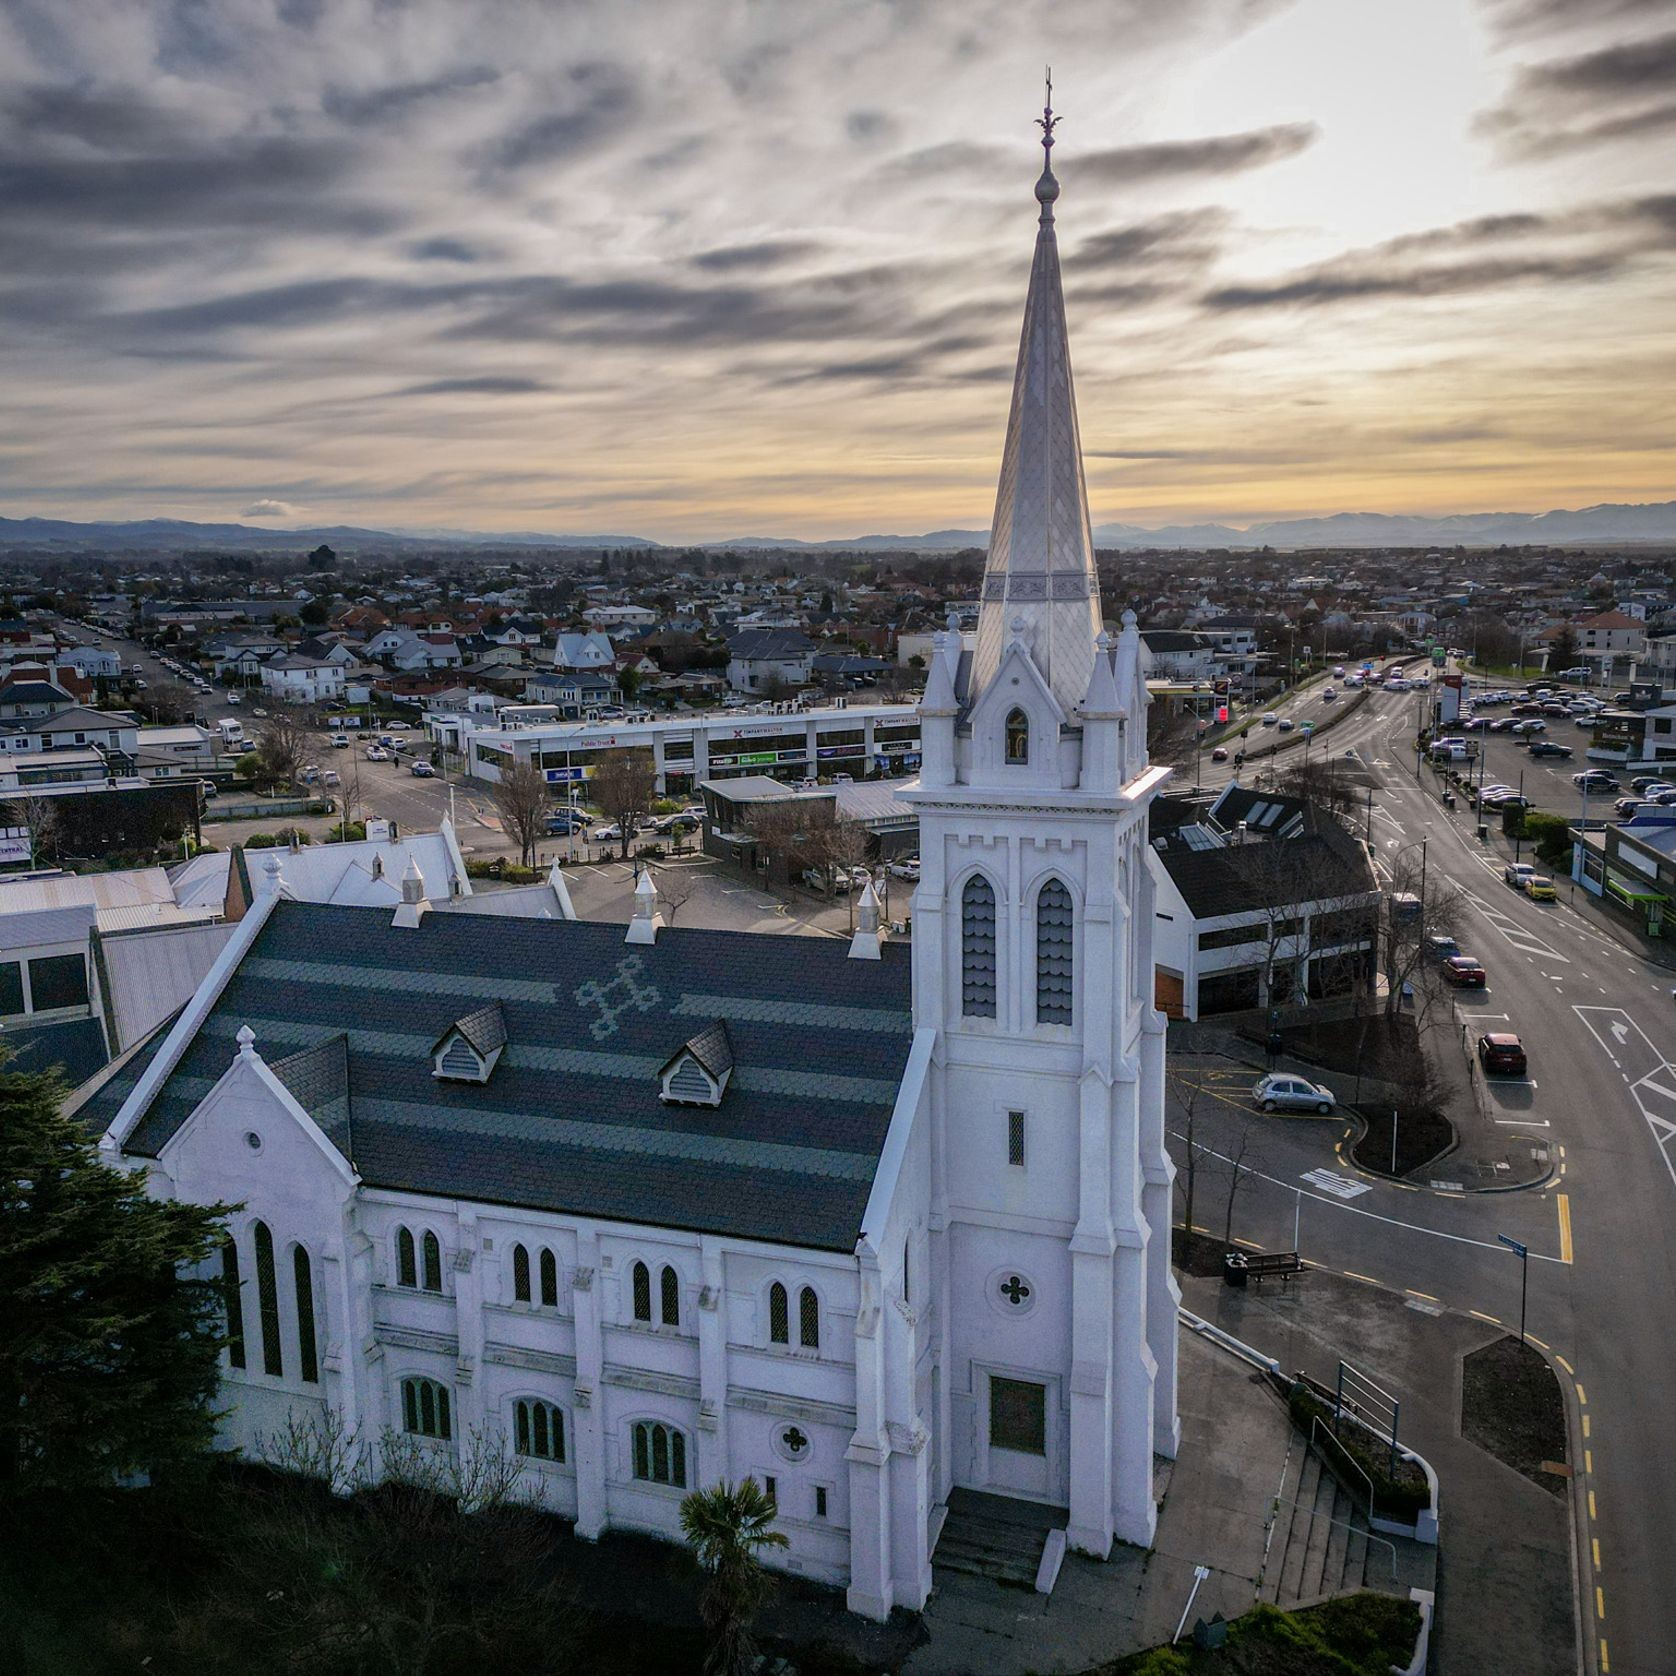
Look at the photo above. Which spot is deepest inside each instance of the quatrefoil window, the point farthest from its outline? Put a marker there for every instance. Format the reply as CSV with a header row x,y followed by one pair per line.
x,y
1016,1290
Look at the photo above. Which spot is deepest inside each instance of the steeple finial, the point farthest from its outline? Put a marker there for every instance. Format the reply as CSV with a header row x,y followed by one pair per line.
x,y
1047,188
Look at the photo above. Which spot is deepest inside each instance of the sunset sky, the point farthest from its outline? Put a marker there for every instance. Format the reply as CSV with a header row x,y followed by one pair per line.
x,y
699,270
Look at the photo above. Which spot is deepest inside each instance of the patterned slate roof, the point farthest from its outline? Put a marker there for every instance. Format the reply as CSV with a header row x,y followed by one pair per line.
x,y
484,1029
571,1120
317,1078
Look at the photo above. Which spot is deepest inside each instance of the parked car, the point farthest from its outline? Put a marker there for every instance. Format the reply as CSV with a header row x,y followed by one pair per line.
x,y
340,741
1531,724
906,868
1627,806
1516,872
1549,748
1282,1092
330,777
1594,781
1464,972
606,834
1540,888
1644,783
816,879
1502,1054
420,768
259,713
1441,947
562,822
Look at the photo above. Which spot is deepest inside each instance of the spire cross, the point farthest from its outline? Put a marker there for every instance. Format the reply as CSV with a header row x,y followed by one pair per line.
x,y
1047,121
1047,188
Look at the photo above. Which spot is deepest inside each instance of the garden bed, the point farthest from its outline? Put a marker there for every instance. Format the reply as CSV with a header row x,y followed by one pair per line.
x,y
1401,1490
1421,1136
1511,1407
1196,1254
1358,1635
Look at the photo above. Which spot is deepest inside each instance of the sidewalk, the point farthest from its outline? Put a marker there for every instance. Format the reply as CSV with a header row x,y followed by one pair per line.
x,y
1505,1581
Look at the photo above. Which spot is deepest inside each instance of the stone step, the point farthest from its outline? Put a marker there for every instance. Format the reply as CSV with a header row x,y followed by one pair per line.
x,y
1317,1536
1335,1575
1290,1581
974,1556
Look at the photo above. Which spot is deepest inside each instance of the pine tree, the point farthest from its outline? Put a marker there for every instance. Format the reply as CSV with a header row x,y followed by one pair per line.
x,y
109,1346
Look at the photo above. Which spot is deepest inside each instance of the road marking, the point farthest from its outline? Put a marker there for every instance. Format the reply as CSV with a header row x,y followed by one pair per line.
x,y
1582,1398
1494,1321
1588,1426
1563,1201
1600,1602
1426,1295
1591,1504
1605,1661
1351,1274
1341,1187
1595,1545
1589,1462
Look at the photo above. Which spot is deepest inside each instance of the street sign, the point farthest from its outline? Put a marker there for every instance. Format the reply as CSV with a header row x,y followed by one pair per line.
x,y
1513,1246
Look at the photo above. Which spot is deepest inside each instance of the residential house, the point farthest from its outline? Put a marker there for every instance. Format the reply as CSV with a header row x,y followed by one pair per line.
x,y
302,680
763,658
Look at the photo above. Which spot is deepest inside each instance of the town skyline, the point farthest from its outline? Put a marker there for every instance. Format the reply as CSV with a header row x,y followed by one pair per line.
x,y
299,266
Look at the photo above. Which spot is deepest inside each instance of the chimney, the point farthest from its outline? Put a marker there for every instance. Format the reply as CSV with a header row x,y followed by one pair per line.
x,y
647,921
864,945
414,905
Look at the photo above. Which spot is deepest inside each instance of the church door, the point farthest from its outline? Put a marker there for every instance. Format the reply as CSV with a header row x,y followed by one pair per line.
x,y
1018,1454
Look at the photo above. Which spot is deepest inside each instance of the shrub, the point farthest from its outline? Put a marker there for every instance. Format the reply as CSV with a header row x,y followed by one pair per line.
x,y
1552,836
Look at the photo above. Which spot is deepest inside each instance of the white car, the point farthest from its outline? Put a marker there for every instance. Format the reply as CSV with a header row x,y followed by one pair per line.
x,y
907,868
377,753
1281,1091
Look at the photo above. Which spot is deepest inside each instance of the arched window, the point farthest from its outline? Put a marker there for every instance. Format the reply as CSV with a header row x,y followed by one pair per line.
x,y
660,1454
641,1279
538,1429
1053,954
779,1315
549,1279
520,1275
425,1409
669,1299
267,1299
407,1269
977,948
232,1300
1018,737
302,1274
808,1319
431,1249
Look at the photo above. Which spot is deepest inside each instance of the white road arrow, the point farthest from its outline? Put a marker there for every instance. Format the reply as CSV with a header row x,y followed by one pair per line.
x,y
1621,1031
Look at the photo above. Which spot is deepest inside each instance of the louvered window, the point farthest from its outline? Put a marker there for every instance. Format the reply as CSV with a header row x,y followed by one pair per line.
x,y
688,1082
1053,954
520,1274
977,948
549,1280
779,1315
1015,1138
302,1274
459,1060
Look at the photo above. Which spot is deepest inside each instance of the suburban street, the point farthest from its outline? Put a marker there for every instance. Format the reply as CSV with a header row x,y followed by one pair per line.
x,y
1597,1021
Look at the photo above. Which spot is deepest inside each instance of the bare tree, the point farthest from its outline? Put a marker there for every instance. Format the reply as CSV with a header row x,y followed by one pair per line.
x,y
1318,781
676,886
1241,1162
283,747
845,844
624,785
1172,734
1418,908
1188,1091
782,827
38,816
521,798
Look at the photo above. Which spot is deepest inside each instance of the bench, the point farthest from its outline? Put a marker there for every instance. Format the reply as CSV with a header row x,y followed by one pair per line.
x,y
1241,1267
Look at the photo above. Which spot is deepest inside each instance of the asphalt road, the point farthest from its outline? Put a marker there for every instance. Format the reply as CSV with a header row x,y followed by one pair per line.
x,y
1600,1027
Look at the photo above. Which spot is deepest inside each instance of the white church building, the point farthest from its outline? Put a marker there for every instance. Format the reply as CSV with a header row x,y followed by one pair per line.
x,y
873,1224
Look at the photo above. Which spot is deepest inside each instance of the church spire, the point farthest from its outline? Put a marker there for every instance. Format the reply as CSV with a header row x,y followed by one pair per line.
x,y
1041,550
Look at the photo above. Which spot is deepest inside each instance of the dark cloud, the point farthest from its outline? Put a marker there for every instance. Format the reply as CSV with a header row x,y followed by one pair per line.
x,y
443,250
484,386
373,105
1180,238
1613,93
591,100
900,366
1219,154
102,119
866,127
1520,19
1590,242
767,253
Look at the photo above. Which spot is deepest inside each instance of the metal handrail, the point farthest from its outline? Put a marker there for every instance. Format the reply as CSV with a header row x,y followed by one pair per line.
x,y
1370,1535
1361,1470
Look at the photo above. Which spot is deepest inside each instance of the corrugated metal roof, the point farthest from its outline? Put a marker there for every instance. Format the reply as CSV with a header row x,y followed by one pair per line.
x,y
101,890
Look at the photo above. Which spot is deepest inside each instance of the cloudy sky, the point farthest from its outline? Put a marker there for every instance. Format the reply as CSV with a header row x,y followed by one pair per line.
x,y
710,268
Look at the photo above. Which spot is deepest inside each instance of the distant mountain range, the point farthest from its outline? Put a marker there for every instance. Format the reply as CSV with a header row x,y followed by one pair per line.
x,y
1654,521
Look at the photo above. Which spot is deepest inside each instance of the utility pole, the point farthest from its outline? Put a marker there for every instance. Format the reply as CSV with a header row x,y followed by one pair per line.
x,y
1519,830
1393,1140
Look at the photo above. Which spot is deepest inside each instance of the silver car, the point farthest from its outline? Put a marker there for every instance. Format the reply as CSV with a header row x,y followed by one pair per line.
x,y
1282,1092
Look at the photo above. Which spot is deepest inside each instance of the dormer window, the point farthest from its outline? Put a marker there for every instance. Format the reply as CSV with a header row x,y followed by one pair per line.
x,y
1018,738
468,1050
697,1074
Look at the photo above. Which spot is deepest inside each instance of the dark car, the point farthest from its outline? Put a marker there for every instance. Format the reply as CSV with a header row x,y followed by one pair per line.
x,y
1549,748
1502,1054
1464,972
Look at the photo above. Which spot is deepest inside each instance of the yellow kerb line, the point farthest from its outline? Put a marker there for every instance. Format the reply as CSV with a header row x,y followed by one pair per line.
x,y
1566,1365
1564,1202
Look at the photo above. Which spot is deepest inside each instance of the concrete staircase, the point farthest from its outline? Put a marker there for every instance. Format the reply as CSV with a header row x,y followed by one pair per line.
x,y
1321,1545
995,1537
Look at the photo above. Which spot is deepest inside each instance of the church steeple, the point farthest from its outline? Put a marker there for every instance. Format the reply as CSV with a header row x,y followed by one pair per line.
x,y
1040,570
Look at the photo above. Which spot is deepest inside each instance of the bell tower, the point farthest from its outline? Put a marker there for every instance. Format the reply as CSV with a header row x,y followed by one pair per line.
x,y
1051,1185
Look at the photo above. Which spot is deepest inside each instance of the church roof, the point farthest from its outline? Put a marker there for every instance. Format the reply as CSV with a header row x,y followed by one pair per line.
x,y
572,1120
1040,571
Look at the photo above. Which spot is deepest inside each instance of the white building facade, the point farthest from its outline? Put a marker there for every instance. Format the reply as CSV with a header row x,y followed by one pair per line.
x,y
694,1205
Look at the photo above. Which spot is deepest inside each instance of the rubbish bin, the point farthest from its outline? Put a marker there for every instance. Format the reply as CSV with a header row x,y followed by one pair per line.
x,y
1483,833
1449,800
1235,1269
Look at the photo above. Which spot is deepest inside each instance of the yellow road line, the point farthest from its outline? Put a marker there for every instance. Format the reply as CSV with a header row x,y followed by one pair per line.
x,y
1589,1462
1426,1295
1595,1544
1351,1274
1566,1365
1588,1426
1582,1399
1605,1661
1564,1201
1493,1320
1591,1504
1250,1245
1537,1342
1600,1602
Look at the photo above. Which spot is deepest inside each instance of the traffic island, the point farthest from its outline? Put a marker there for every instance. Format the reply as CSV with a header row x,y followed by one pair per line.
x,y
1512,1408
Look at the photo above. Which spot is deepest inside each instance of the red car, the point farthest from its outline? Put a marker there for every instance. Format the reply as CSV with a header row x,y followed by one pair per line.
x,y
1502,1054
1464,972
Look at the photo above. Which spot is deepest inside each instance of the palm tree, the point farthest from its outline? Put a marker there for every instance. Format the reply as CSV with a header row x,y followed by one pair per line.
x,y
727,1527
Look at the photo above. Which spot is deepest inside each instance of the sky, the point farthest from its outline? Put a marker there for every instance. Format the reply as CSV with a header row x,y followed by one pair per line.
x,y
747,268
